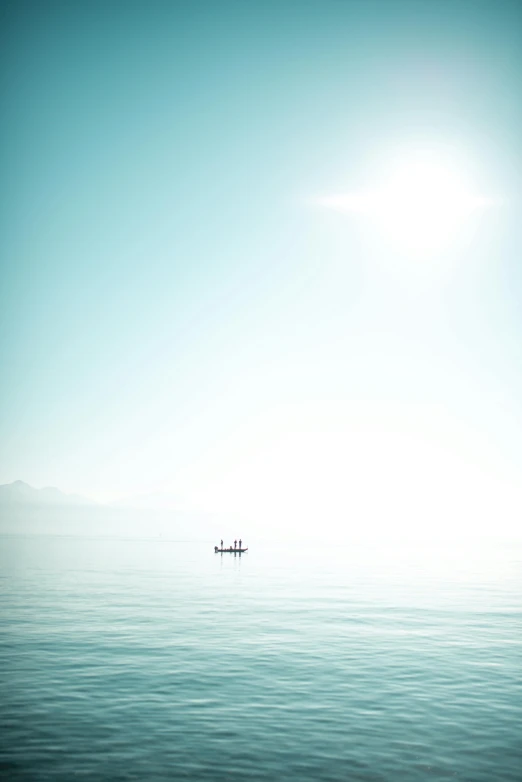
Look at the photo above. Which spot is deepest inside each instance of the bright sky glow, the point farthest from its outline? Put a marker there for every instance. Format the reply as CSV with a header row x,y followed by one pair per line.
x,y
399,471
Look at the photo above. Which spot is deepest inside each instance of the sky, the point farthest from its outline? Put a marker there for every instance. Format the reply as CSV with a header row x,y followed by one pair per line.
x,y
265,257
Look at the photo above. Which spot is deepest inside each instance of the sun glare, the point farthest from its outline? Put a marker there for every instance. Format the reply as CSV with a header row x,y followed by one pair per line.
x,y
419,204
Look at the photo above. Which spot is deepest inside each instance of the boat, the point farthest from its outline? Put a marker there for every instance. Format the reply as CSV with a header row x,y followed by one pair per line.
x,y
229,550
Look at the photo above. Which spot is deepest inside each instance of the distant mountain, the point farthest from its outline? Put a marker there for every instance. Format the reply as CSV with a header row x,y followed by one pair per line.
x,y
20,493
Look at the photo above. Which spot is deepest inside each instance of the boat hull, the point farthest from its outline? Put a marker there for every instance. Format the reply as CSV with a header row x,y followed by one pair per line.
x,y
230,550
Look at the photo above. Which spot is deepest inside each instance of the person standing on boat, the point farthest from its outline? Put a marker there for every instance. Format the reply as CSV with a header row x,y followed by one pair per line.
x,y
235,544
221,544
240,543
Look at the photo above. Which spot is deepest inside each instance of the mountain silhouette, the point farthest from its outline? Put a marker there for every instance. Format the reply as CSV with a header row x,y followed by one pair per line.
x,y
20,493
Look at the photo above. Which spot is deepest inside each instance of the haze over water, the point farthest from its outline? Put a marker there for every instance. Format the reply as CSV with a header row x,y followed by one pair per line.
x,y
145,658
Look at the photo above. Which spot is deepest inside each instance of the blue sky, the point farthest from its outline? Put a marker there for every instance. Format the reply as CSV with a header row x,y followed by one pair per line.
x,y
180,313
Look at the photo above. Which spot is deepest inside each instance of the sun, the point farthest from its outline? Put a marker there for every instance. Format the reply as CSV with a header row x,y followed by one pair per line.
x,y
419,203
423,204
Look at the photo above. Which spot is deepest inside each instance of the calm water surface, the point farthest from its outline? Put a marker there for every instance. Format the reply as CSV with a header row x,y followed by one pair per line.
x,y
151,659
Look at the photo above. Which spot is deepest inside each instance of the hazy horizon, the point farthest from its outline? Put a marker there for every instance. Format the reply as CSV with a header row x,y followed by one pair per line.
x,y
265,258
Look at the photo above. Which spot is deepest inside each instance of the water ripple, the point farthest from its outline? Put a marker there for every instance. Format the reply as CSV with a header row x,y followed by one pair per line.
x,y
158,661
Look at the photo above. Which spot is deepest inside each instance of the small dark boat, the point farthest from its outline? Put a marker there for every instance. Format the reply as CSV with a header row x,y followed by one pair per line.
x,y
229,550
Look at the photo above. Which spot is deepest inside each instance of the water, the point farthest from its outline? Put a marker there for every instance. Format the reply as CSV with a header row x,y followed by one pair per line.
x,y
151,659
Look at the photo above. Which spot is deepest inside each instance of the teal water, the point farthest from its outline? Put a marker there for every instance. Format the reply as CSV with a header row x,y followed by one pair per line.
x,y
135,658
